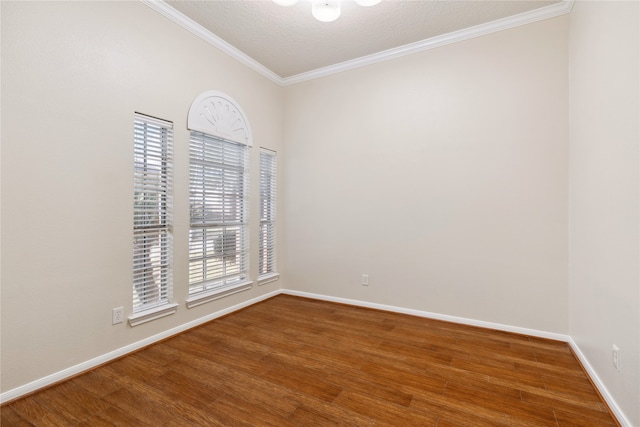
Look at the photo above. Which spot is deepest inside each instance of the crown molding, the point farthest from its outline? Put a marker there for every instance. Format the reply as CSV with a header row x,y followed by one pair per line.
x,y
546,12
190,25
552,11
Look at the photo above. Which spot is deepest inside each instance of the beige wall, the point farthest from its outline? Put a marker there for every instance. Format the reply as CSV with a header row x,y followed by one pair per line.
x,y
441,175
604,216
73,74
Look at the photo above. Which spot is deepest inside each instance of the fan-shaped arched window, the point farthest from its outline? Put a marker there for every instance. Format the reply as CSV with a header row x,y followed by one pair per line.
x,y
218,198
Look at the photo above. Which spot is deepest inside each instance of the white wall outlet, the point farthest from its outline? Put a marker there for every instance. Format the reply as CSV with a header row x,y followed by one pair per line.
x,y
615,357
365,280
117,315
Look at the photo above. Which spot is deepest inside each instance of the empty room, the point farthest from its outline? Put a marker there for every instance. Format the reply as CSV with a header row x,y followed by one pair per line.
x,y
367,213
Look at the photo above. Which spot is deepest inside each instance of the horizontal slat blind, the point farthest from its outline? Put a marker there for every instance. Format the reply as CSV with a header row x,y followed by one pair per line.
x,y
152,212
266,251
218,192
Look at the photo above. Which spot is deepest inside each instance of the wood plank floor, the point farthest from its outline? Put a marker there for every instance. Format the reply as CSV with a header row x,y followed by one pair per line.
x,y
291,361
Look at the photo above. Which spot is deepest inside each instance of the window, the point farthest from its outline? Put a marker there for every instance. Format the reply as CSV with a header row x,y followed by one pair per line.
x,y
152,219
267,235
218,235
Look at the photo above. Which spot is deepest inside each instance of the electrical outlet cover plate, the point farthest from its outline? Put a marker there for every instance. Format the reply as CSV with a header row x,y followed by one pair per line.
x,y
615,356
117,315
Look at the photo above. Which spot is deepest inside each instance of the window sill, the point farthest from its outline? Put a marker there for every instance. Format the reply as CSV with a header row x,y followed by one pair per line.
x,y
152,314
214,294
271,277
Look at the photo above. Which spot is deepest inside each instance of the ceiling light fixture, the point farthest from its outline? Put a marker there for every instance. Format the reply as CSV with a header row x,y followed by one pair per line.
x,y
326,10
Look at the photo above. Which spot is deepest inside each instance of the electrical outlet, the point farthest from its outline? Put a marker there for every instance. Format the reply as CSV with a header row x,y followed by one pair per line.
x,y
117,315
365,280
615,357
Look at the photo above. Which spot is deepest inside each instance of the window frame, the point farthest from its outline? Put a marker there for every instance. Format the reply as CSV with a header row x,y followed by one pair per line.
x,y
267,235
217,115
152,219
218,218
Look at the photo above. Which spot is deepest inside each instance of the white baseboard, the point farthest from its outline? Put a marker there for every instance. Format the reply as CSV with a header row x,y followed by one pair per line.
x,y
430,315
89,364
112,355
498,326
622,419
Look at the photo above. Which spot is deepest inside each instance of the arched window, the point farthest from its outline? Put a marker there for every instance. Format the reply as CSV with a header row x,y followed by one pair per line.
x,y
218,198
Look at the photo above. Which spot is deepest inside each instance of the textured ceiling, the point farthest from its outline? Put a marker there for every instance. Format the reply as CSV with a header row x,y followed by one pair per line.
x,y
289,41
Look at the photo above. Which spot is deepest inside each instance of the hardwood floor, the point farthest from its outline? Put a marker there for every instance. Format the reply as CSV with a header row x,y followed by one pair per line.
x,y
291,361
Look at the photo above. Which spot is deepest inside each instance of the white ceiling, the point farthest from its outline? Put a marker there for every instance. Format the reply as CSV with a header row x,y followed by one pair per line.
x,y
289,43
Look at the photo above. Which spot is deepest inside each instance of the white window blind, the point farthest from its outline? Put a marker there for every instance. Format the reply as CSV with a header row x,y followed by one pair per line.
x,y
218,235
152,213
267,239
